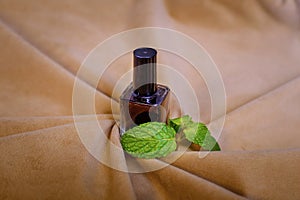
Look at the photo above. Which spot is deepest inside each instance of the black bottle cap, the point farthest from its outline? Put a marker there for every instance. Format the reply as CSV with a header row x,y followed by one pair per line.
x,y
144,72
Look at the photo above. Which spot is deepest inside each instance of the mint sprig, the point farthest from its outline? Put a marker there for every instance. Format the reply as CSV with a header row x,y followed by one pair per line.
x,y
156,139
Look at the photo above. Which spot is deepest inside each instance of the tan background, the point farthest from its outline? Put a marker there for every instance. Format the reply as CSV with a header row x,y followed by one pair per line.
x,y
256,45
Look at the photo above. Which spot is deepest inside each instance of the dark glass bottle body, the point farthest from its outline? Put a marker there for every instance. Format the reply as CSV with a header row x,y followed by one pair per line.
x,y
137,109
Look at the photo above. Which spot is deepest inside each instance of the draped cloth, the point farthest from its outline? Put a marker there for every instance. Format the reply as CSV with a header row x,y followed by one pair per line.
x,y
256,46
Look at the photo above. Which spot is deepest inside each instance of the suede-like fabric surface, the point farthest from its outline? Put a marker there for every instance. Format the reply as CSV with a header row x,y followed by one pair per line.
x,y
256,46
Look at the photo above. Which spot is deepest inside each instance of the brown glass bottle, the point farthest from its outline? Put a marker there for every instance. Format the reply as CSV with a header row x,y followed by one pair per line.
x,y
143,100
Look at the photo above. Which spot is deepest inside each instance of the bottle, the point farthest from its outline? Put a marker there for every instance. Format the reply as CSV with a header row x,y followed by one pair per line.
x,y
143,100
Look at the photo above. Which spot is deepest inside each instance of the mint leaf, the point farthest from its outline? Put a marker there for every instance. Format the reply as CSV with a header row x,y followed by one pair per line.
x,y
210,143
199,134
195,132
149,140
176,123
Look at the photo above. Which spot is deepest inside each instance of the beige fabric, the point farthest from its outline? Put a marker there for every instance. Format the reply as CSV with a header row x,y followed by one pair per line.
x,y
256,45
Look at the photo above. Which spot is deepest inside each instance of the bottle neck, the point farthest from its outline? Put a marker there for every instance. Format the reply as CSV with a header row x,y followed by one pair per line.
x,y
144,72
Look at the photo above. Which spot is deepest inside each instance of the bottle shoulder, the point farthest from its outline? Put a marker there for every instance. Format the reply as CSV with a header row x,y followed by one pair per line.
x,y
156,99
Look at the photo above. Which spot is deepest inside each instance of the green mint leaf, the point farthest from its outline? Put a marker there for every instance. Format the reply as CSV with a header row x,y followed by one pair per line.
x,y
199,134
210,143
195,132
176,123
149,140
